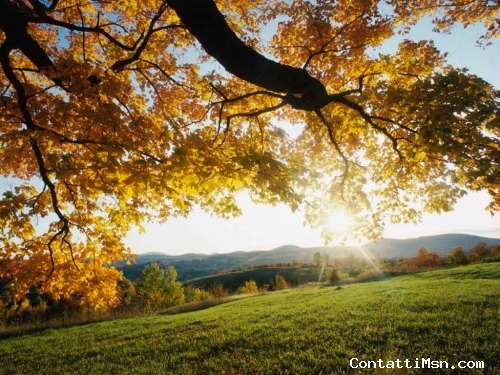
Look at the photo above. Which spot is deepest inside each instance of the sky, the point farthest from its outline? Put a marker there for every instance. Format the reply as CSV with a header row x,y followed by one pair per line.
x,y
265,227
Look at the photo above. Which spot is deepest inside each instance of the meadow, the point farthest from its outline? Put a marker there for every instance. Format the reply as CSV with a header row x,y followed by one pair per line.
x,y
449,315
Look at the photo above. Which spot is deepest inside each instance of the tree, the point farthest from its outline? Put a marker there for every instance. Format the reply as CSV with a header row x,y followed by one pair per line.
x,y
217,290
458,257
321,260
112,115
427,259
494,252
332,277
479,252
127,293
317,259
172,289
249,287
193,294
279,283
158,288
326,260
422,255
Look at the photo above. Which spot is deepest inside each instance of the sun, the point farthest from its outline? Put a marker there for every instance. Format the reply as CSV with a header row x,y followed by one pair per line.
x,y
340,228
339,221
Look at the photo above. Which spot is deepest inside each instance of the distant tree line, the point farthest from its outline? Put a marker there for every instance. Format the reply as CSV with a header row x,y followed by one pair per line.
x,y
426,260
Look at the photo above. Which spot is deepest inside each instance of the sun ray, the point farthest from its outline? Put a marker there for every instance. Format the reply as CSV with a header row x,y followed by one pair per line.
x,y
368,256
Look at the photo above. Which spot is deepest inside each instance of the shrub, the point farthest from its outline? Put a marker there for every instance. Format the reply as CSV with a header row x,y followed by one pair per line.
x,y
332,276
193,294
279,283
458,257
217,291
127,293
158,288
479,253
249,287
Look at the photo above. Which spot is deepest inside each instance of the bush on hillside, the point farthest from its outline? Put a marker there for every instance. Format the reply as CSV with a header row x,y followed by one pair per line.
x,y
332,276
249,287
193,294
279,283
217,291
458,257
158,288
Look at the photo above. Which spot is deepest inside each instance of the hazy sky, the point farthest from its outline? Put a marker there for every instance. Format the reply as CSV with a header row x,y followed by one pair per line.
x,y
265,227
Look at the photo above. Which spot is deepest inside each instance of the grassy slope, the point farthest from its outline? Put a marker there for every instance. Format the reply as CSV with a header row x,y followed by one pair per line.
x,y
445,315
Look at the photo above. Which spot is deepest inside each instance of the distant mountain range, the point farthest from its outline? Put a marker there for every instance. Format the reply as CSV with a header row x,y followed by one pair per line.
x,y
193,265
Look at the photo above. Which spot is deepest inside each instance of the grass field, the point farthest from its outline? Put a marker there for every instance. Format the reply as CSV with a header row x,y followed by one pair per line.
x,y
450,315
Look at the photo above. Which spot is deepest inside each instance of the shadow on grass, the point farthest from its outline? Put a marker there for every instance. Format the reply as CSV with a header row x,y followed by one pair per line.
x,y
367,279
202,305
47,326
21,330
193,306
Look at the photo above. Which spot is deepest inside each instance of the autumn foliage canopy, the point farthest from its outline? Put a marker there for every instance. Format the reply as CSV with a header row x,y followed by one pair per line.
x,y
113,113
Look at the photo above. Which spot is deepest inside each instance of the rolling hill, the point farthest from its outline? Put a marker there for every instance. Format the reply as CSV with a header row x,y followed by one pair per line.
x,y
191,266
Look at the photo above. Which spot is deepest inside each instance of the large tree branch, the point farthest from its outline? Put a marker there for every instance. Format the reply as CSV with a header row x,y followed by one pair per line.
x,y
204,20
